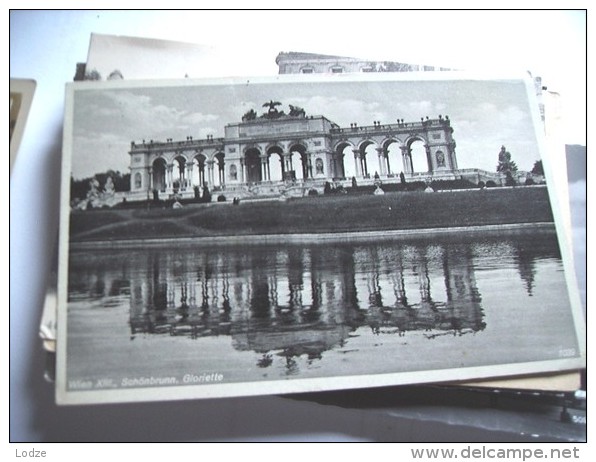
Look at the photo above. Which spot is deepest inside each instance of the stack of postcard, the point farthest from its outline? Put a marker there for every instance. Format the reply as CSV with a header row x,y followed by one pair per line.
x,y
351,226
20,99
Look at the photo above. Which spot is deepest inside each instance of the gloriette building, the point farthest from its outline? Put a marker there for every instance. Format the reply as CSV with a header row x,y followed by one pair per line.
x,y
291,153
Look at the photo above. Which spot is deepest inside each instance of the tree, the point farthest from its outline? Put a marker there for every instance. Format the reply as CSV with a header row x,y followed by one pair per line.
x,y
79,188
115,75
538,169
506,165
391,66
509,180
121,181
93,74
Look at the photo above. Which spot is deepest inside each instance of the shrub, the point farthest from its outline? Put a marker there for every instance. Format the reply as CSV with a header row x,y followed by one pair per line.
x,y
221,198
416,186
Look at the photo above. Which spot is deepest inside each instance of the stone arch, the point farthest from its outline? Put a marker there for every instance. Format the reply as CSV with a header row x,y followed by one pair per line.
x,y
299,144
159,169
199,162
343,153
299,161
168,156
274,145
219,165
393,155
342,144
391,139
416,155
252,164
275,162
211,154
368,158
413,138
179,172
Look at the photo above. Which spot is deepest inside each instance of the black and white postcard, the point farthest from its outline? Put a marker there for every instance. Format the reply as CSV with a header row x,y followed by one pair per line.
x,y
303,233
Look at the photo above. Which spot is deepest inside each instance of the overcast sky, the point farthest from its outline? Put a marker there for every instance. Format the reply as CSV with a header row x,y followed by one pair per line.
x,y
484,114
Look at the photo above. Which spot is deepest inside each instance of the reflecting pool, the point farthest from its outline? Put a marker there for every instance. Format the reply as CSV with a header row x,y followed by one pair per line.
x,y
266,312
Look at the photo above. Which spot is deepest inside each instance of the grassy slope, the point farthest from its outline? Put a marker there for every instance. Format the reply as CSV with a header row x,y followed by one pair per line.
x,y
405,210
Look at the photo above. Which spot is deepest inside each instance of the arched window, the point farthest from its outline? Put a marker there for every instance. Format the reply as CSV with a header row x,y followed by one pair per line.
x,y
233,172
319,166
138,180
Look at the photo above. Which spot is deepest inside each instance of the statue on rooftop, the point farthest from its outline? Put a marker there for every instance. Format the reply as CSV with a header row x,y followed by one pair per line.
x,y
273,112
249,115
271,105
296,111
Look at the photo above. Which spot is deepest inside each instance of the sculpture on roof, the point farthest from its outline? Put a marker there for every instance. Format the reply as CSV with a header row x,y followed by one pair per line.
x,y
273,112
271,105
296,111
249,115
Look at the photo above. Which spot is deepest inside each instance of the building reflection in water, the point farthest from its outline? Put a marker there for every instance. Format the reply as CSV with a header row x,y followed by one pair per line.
x,y
295,301
306,300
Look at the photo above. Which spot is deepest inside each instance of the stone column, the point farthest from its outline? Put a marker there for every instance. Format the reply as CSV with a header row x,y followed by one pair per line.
x,y
242,169
429,160
381,156
202,174
406,154
386,154
189,175
287,161
222,175
264,168
282,164
356,161
210,173
333,166
169,177
309,157
364,165
182,180
268,168
451,156
149,183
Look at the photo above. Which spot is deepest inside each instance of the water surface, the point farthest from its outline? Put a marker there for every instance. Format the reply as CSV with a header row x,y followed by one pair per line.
x,y
192,315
